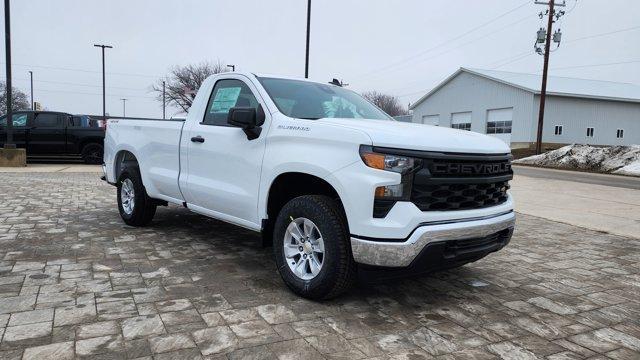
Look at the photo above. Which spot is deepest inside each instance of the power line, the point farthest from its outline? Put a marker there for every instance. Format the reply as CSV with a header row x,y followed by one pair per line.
x,y
596,65
472,41
84,70
604,34
86,93
514,58
442,43
79,84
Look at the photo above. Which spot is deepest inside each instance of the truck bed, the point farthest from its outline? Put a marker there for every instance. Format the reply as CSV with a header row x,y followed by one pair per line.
x,y
155,143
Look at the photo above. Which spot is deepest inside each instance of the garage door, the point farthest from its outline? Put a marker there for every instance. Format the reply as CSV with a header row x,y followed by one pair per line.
x,y
461,120
499,123
431,120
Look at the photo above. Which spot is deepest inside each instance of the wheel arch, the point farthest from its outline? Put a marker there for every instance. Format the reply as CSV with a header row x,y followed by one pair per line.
x,y
289,185
123,158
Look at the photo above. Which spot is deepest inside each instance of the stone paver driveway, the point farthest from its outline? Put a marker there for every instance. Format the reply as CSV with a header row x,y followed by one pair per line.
x,y
75,282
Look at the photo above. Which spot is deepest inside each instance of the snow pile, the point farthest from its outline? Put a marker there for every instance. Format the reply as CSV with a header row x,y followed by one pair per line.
x,y
631,169
623,160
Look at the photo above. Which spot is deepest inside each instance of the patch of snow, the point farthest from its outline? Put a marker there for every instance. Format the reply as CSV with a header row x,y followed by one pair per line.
x,y
631,169
624,160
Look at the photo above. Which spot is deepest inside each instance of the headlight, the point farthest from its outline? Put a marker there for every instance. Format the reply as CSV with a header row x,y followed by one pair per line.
x,y
402,165
388,162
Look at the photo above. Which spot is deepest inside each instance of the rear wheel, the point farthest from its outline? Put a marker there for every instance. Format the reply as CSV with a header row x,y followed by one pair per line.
x,y
135,206
92,154
311,248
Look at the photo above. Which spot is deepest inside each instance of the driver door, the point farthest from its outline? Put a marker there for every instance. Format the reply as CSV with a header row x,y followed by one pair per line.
x,y
223,165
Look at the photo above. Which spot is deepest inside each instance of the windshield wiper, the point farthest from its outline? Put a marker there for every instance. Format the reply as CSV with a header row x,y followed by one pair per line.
x,y
309,118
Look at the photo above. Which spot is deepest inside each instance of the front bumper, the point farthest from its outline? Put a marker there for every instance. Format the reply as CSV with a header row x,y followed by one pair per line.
x,y
398,254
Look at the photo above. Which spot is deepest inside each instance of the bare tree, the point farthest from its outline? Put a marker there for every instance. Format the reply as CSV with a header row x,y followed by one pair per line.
x,y
184,81
388,103
19,100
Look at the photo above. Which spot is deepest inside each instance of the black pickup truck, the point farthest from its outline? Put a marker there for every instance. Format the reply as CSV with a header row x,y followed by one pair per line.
x,y
47,134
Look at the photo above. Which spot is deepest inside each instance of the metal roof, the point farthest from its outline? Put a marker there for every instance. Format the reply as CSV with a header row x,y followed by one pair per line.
x,y
556,85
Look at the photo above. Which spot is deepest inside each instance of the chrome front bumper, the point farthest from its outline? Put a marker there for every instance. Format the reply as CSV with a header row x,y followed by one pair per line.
x,y
402,253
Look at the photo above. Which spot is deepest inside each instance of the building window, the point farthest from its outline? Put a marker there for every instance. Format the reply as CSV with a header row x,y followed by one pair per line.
x,y
558,130
589,132
499,127
620,133
462,126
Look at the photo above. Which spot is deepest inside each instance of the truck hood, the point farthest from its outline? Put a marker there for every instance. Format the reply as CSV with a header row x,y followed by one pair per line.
x,y
402,135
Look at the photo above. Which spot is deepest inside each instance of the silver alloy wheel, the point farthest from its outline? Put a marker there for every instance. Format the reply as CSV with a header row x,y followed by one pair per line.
x,y
303,248
127,196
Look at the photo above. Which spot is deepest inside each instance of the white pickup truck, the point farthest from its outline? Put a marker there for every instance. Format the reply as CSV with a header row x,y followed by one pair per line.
x,y
337,185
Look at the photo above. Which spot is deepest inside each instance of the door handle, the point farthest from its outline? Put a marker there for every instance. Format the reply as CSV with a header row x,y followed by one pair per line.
x,y
198,138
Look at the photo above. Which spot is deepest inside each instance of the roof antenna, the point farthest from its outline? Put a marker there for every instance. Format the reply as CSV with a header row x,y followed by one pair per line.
x,y
336,82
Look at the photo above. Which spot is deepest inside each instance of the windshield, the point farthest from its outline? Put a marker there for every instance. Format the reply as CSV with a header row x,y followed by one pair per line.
x,y
308,100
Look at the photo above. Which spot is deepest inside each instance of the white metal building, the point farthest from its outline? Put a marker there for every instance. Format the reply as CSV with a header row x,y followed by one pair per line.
x,y
505,105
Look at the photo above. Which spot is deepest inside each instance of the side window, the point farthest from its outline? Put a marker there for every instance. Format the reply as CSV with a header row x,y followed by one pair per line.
x,y
44,120
19,120
227,94
75,121
83,121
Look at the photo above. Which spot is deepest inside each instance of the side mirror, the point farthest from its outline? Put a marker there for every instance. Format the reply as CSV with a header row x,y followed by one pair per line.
x,y
248,119
242,117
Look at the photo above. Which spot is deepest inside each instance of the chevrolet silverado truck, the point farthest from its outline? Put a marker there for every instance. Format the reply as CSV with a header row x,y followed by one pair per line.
x,y
336,184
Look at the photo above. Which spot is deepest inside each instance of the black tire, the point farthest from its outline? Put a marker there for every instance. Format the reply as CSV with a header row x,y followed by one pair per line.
x,y
92,153
338,271
144,207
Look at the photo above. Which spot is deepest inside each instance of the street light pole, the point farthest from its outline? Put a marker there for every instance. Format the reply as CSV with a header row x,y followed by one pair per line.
x,y
306,60
7,41
31,78
124,107
104,97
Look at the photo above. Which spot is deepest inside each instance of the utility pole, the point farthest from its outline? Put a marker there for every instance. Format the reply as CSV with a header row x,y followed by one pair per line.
x,y
31,78
546,38
104,96
124,107
306,60
7,41
164,101
233,67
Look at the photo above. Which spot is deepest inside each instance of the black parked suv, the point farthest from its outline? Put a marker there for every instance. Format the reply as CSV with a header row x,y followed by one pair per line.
x,y
56,135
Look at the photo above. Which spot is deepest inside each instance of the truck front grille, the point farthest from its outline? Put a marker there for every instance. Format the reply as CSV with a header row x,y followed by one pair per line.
x,y
461,182
443,197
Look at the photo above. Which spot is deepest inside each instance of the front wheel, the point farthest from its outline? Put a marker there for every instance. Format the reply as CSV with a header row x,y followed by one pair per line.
x,y
135,206
312,249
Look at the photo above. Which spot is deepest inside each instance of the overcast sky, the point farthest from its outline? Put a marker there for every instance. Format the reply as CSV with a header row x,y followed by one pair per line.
x,y
403,47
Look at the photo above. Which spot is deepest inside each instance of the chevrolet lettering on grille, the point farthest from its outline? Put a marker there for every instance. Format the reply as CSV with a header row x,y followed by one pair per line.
x,y
471,169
